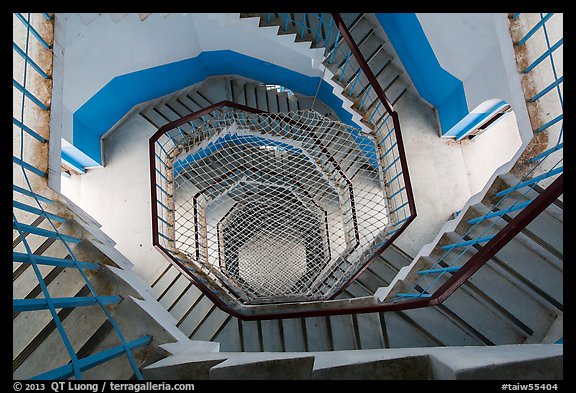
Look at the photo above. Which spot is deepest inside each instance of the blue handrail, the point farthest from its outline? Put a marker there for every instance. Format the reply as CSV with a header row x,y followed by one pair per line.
x,y
518,196
76,365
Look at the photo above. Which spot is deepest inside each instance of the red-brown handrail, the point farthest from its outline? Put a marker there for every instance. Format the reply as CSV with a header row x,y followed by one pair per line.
x,y
450,285
400,144
547,197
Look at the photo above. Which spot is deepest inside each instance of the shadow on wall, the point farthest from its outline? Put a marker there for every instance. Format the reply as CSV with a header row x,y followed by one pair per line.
x,y
437,86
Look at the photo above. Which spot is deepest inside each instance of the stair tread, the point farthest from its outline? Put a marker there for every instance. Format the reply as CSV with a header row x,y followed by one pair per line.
x,y
80,325
170,276
185,302
317,334
170,295
294,339
195,318
403,335
342,332
29,324
250,336
442,327
210,325
370,331
271,338
229,337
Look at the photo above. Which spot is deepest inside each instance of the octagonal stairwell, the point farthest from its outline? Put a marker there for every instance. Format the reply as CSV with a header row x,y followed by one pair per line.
x,y
479,313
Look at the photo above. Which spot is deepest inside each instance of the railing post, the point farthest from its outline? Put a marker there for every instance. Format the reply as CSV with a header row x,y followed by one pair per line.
x,y
517,224
33,31
31,96
534,29
319,31
303,25
543,56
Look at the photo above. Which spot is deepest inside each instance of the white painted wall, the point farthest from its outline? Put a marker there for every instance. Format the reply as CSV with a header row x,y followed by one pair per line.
x,y
477,49
96,49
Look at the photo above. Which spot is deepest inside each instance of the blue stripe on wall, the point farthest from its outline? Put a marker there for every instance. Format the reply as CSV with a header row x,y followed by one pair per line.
x,y
115,99
437,86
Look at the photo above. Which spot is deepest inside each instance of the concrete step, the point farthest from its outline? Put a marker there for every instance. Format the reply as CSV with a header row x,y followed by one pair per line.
x,y
238,90
317,334
172,293
165,280
214,90
189,103
369,331
402,333
37,220
510,362
250,95
82,325
383,270
185,303
166,112
18,267
29,324
272,99
27,285
530,260
153,117
444,330
34,241
251,336
272,337
356,289
199,312
371,280
210,326
294,335
178,107
486,318
516,298
343,333
545,231
229,337
24,278
261,98
26,341
293,103
395,257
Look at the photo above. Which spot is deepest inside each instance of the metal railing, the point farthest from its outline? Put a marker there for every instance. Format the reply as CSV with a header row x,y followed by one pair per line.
x,y
543,172
27,67
343,56
342,42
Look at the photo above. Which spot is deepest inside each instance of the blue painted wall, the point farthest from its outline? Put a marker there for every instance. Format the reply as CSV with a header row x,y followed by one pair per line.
x,y
436,85
114,100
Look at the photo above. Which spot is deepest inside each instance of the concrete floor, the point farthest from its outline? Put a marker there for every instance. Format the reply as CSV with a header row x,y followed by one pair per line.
x,y
444,175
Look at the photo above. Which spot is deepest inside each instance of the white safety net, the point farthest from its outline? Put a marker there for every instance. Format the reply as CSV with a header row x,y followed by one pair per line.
x,y
277,207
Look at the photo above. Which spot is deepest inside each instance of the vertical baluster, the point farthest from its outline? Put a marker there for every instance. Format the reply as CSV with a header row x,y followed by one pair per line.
x,y
303,25
345,65
319,27
334,47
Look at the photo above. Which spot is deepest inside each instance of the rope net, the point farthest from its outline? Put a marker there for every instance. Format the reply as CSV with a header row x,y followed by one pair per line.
x,y
276,207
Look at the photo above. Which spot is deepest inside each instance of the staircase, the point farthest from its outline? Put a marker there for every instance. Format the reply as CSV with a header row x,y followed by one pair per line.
x,y
321,31
514,299
76,311
457,321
